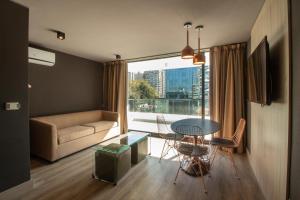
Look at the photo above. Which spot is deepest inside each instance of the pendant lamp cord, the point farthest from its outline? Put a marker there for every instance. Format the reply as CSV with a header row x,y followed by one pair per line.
x,y
199,40
187,36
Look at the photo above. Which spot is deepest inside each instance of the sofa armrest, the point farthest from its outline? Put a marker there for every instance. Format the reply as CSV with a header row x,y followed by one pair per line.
x,y
43,139
110,116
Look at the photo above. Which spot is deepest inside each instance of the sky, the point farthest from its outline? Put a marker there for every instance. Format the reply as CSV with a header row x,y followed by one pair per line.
x,y
164,63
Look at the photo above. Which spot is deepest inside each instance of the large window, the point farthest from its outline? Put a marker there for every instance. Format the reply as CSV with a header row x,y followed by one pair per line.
x,y
171,86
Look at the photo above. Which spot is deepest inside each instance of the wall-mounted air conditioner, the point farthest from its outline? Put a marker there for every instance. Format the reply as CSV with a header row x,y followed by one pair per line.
x,y
40,57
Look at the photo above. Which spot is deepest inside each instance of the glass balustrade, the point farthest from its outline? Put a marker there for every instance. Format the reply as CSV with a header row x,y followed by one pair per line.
x,y
168,106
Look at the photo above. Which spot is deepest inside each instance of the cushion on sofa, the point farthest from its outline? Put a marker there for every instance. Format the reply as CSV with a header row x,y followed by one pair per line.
x,y
72,119
73,133
102,125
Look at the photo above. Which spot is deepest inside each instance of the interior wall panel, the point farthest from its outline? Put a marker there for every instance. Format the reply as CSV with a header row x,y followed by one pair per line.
x,y
269,125
14,129
295,151
73,84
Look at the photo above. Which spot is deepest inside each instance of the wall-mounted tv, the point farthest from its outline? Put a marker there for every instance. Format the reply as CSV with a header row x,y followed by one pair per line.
x,y
259,74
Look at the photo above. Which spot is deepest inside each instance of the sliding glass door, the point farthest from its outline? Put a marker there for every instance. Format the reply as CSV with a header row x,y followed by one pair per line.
x,y
170,86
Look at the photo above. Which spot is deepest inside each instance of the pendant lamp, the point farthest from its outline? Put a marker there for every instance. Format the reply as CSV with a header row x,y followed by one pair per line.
x,y
187,52
199,58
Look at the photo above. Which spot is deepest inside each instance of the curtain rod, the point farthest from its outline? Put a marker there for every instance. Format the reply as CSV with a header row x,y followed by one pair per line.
x,y
230,44
160,56
174,54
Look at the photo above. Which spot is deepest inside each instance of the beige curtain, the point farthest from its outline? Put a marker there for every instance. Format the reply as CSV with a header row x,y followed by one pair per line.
x,y
227,106
115,90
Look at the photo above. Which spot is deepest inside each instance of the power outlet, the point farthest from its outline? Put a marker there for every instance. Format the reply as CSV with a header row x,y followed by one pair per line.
x,y
12,106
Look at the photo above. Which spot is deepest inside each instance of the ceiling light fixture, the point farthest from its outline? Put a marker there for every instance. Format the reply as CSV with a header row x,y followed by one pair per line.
x,y
187,52
199,58
60,35
118,57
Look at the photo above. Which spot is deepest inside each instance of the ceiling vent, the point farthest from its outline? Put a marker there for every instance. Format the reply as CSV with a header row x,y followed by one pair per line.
x,y
40,57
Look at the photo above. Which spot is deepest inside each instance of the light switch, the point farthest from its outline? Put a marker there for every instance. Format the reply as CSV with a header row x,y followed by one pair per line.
x,y
12,106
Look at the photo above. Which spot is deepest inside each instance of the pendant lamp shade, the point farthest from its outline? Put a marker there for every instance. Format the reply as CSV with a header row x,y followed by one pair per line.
x,y
187,52
199,57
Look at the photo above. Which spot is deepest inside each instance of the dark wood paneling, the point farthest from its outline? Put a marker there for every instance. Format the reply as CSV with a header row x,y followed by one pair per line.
x,y
14,130
72,84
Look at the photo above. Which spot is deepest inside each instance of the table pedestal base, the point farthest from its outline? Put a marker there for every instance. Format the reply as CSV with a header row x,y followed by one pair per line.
x,y
192,168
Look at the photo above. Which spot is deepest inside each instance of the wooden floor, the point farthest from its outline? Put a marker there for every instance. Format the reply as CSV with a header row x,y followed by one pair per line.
x,y
70,178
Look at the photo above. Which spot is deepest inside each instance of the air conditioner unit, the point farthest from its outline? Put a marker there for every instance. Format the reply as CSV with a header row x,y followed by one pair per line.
x,y
40,57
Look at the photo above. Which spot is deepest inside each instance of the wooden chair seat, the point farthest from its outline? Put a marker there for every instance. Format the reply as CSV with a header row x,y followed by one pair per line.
x,y
223,142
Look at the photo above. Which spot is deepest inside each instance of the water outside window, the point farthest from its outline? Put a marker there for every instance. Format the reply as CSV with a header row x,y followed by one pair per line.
x,y
169,86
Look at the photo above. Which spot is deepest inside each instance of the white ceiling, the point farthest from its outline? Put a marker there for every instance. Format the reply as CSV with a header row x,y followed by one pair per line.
x,y
98,29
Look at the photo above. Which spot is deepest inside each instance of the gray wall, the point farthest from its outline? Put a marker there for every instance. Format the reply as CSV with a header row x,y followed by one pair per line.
x,y
14,130
295,154
72,84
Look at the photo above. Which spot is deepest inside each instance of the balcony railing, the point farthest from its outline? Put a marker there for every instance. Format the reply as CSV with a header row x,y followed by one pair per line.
x,y
168,106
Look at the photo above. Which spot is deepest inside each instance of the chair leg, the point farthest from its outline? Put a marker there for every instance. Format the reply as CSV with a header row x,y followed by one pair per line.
x,y
213,156
175,152
150,148
162,152
177,173
205,166
202,177
168,147
233,164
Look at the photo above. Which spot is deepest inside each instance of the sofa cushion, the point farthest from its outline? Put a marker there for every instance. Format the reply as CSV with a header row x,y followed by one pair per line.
x,y
102,125
73,133
72,119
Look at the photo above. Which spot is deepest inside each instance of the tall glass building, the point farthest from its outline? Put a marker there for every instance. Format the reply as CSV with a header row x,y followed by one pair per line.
x,y
182,83
156,78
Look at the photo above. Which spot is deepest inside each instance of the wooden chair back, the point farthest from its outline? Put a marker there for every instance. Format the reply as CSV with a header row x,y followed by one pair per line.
x,y
239,132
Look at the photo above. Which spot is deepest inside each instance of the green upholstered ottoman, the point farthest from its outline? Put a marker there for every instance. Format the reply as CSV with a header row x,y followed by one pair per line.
x,y
112,162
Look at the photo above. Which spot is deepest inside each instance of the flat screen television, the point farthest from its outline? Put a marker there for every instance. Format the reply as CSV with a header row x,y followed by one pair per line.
x,y
259,74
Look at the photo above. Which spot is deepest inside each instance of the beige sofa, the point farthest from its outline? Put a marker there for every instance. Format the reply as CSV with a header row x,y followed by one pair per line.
x,y
56,136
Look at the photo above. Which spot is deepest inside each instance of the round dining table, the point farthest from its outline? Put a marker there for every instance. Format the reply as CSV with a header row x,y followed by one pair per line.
x,y
196,127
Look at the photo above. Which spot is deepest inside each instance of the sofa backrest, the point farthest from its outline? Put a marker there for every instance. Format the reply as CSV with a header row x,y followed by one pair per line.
x,y
72,119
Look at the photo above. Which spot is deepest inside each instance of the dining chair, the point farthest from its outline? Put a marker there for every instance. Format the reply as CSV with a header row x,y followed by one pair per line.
x,y
192,154
230,144
169,136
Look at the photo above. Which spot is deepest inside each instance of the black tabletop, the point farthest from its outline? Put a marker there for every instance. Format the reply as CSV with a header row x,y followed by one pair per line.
x,y
195,127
